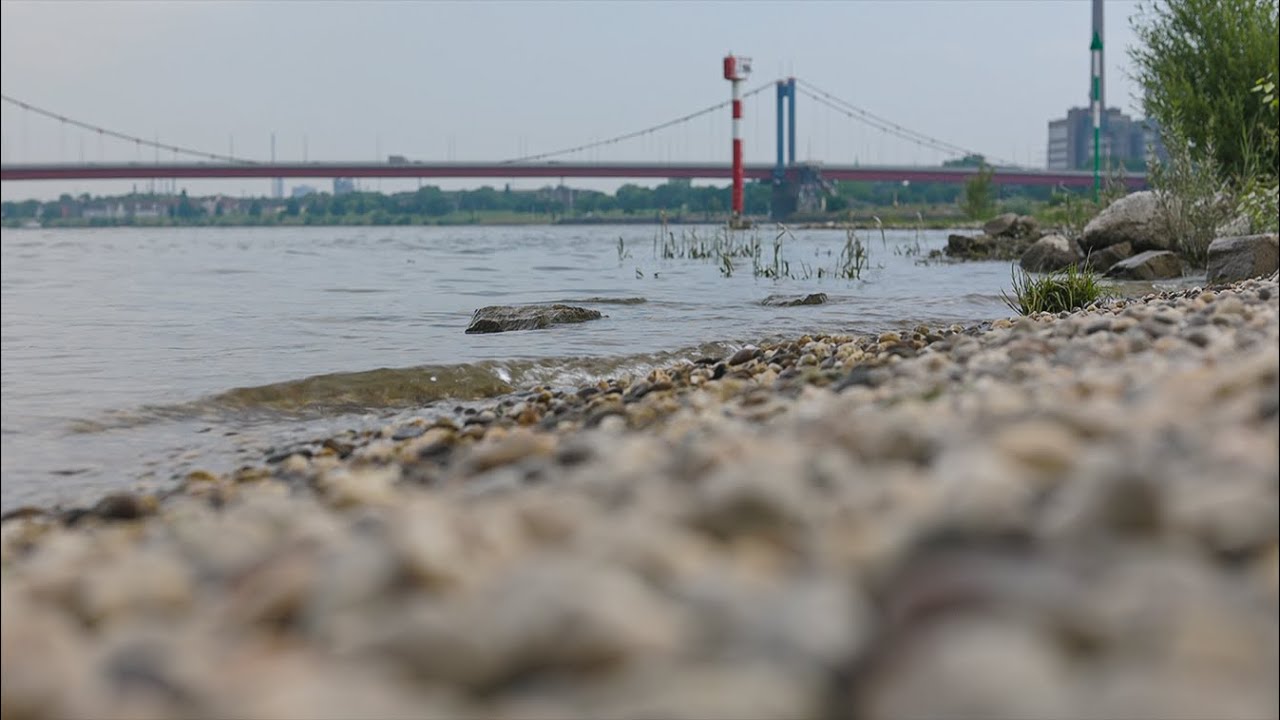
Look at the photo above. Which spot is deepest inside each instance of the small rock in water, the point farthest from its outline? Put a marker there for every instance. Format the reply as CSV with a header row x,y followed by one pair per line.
x,y
504,318
795,300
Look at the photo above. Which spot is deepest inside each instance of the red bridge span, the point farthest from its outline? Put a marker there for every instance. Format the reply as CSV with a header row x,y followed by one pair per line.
x,y
437,170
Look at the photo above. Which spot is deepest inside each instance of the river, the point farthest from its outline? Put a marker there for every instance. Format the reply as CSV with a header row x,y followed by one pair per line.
x,y
132,356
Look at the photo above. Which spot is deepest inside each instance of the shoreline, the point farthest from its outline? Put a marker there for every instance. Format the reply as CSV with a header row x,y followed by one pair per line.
x,y
815,527
656,220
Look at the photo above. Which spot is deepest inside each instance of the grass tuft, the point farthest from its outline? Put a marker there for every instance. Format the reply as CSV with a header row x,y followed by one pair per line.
x,y
1062,291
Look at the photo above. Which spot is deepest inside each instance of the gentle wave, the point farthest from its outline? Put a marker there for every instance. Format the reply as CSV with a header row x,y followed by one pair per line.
x,y
603,301
386,389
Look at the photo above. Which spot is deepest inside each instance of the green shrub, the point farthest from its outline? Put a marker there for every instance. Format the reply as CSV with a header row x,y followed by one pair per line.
x,y
1197,63
1260,194
1193,202
1260,203
1062,291
979,202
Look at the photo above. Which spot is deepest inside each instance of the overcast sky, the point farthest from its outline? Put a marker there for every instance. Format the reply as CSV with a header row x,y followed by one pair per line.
x,y
494,80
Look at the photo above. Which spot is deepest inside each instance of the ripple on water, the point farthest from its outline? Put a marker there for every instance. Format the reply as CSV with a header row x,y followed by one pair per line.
x,y
393,388
603,301
482,293
84,331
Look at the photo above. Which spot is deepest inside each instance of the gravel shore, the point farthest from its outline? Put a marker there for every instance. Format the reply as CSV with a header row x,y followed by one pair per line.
x,y
1065,516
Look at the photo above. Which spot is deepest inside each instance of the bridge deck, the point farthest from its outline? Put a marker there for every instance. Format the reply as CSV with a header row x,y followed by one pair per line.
x,y
871,173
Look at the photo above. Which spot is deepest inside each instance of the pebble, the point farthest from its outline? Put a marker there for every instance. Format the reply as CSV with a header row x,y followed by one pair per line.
x,y
124,506
744,355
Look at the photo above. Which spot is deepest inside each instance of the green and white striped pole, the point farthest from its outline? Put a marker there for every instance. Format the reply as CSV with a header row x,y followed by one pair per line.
x,y
1095,95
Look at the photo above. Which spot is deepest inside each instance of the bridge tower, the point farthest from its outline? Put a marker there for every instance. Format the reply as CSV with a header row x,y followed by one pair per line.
x,y
784,198
796,188
736,69
787,124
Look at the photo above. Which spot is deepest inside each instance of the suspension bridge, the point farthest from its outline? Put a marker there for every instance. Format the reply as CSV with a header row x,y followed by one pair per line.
x,y
789,177
633,170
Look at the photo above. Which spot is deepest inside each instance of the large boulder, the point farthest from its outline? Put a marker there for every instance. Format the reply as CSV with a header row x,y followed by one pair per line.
x,y
1134,218
1243,257
1149,265
794,300
999,224
967,245
1102,260
503,318
1011,225
1049,254
986,247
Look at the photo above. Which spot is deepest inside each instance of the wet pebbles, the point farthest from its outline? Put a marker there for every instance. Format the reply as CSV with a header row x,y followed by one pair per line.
x,y
1054,516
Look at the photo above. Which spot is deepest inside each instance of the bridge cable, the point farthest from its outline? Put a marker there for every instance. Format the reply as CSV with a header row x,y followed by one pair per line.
x,y
882,124
878,122
123,136
638,133
888,126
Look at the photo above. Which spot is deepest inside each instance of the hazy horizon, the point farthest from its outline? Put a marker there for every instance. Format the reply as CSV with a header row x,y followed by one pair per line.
x,y
489,81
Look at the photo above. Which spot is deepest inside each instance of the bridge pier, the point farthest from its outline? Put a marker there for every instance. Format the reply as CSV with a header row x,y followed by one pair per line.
x,y
800,191
797,189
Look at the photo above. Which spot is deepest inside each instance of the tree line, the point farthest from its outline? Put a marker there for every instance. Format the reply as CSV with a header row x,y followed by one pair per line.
x,y
674,198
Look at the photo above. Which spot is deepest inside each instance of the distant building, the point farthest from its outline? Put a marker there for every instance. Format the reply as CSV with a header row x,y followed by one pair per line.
x,y
301,191
342,186
120,210
220,205
1124,141
149,210
103,210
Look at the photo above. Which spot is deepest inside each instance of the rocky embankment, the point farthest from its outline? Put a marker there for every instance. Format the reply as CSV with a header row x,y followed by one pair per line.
x,y
1054,516
1005,237
1126,241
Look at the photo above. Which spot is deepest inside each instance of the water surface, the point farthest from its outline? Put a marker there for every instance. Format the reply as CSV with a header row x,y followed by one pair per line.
x,y
133,355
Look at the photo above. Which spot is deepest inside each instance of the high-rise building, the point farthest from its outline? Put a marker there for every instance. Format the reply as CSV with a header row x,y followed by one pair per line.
x,y
1124,141
1066,135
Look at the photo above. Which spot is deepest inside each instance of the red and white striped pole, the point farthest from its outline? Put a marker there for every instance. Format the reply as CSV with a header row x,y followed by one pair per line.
x,y
736,70
737,151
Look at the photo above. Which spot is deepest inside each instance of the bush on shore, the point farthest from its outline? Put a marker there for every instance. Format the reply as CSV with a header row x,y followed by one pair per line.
x,y
1197,63
1207,70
